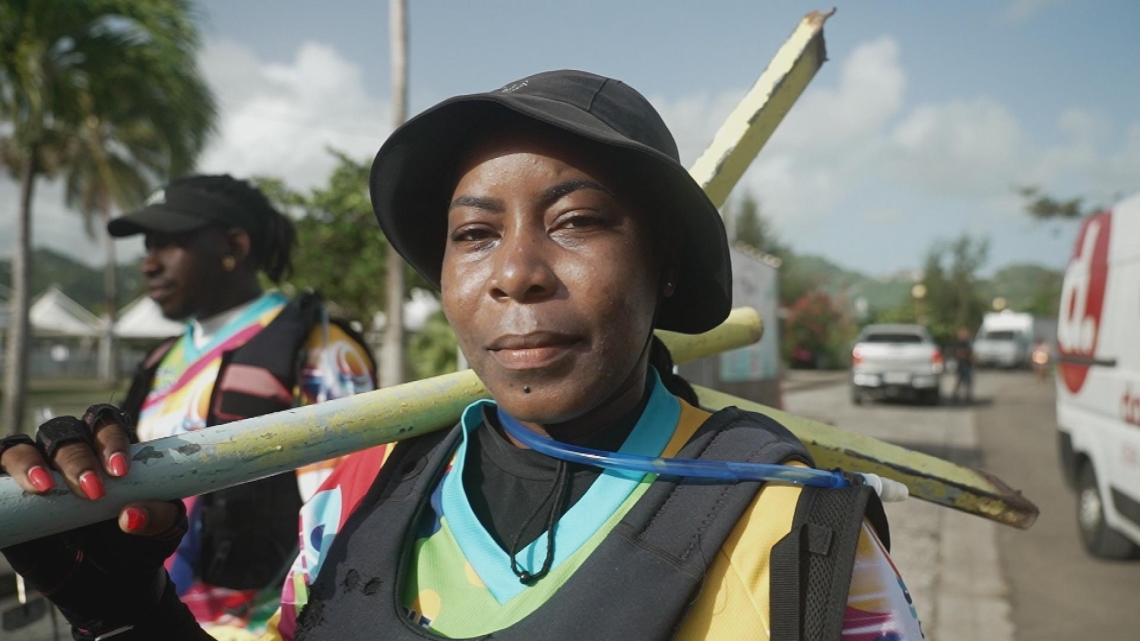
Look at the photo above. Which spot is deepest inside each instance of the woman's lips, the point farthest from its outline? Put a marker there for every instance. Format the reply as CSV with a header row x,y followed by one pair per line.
x,y
531,351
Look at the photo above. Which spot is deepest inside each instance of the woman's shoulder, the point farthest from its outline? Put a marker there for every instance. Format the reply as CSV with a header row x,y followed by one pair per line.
x,y
754,430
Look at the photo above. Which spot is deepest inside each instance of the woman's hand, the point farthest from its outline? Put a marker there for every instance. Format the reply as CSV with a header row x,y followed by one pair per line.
x,y
109,575
83,450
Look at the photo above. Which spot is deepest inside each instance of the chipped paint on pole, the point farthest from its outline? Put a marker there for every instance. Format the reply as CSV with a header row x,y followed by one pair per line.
x,y
752,123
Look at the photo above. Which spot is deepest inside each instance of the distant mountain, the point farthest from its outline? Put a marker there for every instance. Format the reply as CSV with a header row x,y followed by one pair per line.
x,y
1029,288
82,283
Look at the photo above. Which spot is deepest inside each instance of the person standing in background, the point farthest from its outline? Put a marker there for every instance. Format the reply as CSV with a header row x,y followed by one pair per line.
x,y
964,357
245,352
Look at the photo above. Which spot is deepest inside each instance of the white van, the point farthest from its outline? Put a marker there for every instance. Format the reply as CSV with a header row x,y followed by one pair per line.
x,y
1005,339
1098,380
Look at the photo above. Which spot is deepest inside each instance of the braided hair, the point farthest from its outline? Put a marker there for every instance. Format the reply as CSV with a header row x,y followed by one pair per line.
x,y
271,246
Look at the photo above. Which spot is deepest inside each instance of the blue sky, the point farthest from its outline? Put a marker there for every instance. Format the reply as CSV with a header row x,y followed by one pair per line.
x,y
916,129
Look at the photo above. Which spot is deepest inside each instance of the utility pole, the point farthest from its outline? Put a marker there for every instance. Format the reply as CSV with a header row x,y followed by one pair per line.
x,y
392,351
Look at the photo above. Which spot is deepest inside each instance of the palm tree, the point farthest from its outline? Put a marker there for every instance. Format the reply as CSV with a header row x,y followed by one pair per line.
x,y
106,91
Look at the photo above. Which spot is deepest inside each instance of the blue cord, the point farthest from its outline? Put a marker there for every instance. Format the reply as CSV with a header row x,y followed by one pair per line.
x,y
732,471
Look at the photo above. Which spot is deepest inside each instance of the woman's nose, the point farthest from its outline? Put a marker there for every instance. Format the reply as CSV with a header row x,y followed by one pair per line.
x,y
523,271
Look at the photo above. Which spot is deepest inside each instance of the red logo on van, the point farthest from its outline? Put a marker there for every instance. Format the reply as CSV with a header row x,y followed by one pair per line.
x,y
1082,300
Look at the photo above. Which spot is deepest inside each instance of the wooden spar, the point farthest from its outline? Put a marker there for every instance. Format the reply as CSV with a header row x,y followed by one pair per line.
x,y
927,477
243,451
751,124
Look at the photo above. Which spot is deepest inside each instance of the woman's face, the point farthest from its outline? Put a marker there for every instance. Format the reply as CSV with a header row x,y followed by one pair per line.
x,y
549,279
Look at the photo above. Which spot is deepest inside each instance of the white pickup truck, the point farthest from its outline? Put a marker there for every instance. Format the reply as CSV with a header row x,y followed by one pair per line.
x,y
896,361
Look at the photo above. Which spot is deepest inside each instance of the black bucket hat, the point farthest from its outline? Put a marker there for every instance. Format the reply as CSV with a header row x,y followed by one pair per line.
x,y
414,173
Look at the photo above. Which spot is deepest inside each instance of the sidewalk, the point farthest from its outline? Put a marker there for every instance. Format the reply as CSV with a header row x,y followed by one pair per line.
x,y
802,379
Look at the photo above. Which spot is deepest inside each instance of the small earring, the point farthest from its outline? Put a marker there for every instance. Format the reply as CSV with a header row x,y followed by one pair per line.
x,y
228,263
668,289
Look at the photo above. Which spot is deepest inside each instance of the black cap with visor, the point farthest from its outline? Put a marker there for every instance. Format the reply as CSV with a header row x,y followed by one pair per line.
x,y
182,206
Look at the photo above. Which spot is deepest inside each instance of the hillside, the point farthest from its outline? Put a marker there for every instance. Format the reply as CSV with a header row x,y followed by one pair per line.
x,y
1029,288
80,282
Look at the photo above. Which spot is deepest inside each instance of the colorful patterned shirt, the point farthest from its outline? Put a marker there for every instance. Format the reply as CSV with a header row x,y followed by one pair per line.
x,y
179,402
486,595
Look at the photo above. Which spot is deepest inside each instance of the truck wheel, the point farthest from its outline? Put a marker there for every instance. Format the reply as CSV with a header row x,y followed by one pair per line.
x,y
931,397
1100,540
856,396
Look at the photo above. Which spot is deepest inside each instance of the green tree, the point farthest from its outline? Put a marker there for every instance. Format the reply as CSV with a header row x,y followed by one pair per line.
x,y
1043,207
79,80
954,297
752,228
342,254
340,250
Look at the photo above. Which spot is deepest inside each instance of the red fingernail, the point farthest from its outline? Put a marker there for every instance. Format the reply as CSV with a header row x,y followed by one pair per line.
x,y
136,518
117,464
92,485
40,479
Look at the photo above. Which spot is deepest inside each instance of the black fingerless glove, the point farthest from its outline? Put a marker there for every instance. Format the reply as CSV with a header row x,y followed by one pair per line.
x,y
104,580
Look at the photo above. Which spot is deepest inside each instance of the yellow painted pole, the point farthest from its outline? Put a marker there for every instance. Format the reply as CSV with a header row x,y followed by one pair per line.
x,y
751,124
226,455
927,477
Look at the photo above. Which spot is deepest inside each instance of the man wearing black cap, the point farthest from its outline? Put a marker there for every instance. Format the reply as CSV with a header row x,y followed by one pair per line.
x,y
244,353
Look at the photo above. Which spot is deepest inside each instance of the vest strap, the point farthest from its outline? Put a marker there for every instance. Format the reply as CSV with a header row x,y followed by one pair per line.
x,y
811,566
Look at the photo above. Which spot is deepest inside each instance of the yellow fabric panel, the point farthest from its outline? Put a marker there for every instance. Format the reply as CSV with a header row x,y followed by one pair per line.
x,y
734,600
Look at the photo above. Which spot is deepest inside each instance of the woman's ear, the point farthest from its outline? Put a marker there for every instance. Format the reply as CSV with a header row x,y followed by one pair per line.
x,y
669,280
238,244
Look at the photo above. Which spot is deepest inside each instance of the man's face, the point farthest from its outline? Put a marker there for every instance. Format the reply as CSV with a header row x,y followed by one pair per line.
x,y
184,271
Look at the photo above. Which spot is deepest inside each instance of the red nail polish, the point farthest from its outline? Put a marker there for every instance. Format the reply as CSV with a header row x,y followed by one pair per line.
x,y
40,479
92,485
136,518
117,464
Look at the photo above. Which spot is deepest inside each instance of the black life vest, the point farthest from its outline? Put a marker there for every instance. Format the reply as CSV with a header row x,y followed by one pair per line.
x,y
639,583
249,531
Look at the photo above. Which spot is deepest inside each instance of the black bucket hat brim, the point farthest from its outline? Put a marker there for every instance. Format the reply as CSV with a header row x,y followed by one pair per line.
x,y
414,172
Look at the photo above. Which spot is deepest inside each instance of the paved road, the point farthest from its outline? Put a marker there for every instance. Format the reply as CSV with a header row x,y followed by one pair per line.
x,y
974,580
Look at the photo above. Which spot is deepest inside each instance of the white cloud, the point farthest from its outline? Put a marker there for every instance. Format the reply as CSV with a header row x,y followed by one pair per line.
x,y
854,145
1022,10
279,119
955,148
275,119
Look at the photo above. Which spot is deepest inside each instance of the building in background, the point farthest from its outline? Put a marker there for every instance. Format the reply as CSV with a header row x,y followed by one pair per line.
x,y
751,372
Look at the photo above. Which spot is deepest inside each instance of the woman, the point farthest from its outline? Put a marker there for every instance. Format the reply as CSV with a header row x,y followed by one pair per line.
x,y
557,221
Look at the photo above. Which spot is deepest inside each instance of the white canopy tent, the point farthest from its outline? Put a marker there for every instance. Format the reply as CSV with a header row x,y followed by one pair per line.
x,y
143,320
54,314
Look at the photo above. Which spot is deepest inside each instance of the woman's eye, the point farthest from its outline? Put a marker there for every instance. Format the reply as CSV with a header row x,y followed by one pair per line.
x,y
471,234
580,220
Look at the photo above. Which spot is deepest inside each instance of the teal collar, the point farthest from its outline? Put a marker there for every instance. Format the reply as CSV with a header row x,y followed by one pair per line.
x,y
649,437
